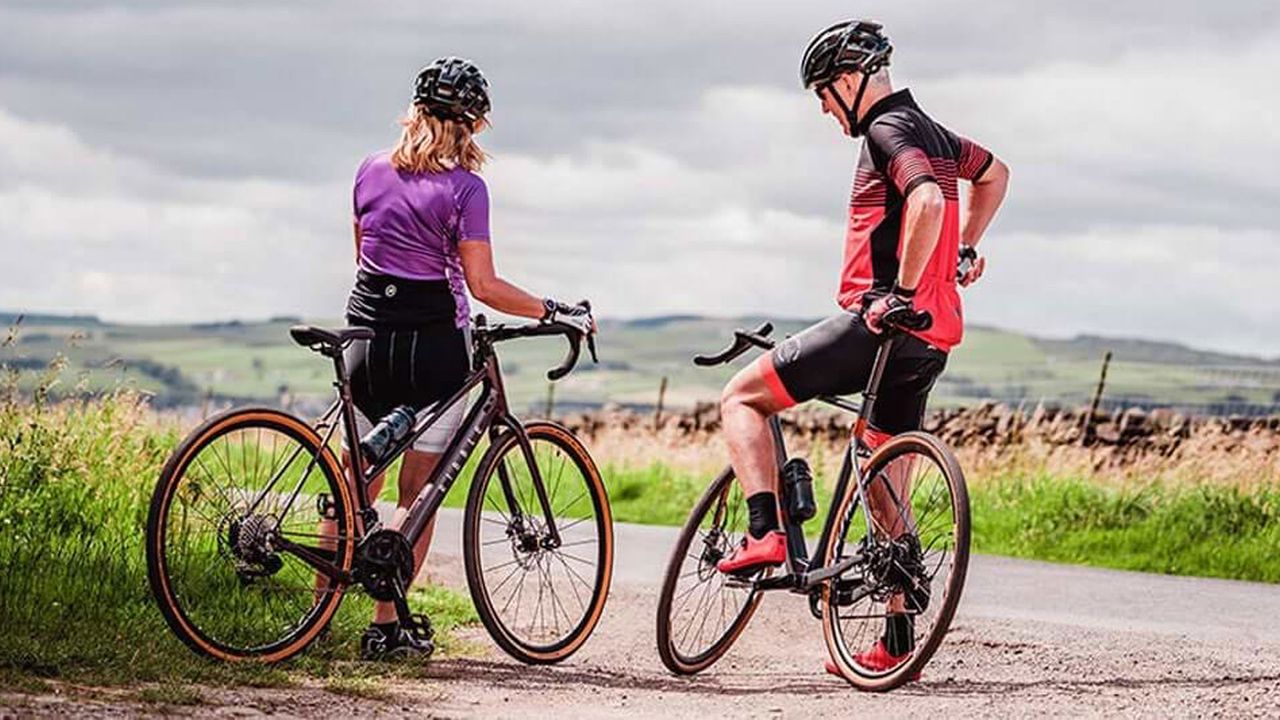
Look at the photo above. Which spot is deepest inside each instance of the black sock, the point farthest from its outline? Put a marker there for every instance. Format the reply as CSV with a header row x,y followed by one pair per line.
x,y
389,629
764,514
899,634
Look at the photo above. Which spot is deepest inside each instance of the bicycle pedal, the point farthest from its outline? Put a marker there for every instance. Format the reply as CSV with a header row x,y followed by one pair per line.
x,y
420,626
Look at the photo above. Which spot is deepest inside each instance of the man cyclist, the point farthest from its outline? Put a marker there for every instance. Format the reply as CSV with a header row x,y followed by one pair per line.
x,y
905,234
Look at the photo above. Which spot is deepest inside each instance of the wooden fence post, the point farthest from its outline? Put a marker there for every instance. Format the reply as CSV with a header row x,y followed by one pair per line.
x,y
662,395
1086,426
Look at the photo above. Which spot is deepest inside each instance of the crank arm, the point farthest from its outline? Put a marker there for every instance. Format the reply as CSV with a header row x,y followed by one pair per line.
x,y
823,574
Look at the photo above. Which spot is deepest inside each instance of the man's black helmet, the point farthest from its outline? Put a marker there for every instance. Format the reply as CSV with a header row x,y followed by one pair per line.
x,y
844,47
453,89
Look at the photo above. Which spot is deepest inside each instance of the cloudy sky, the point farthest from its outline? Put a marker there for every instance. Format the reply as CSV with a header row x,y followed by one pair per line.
x,y
190,161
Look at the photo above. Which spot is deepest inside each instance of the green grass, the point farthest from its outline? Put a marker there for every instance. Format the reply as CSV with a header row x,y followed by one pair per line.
x,y
1204,531
75,483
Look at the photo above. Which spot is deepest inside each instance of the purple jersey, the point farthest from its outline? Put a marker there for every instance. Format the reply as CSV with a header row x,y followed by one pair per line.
x,y
411,223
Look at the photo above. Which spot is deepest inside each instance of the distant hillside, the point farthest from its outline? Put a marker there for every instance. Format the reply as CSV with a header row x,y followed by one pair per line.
x,y
9,318
1154,351
242,360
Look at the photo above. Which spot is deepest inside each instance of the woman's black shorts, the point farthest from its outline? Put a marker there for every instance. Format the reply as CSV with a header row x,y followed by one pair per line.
x,y
415,358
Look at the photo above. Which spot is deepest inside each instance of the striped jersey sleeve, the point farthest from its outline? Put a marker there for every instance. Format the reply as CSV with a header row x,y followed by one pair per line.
x,y
974,159
906,162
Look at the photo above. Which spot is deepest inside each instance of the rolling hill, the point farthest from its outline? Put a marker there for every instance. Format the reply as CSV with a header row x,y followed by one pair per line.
x,y
242,361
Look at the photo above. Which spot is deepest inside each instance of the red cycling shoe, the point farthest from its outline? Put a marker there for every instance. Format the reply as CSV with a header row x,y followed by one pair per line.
x,y
877,659
754,554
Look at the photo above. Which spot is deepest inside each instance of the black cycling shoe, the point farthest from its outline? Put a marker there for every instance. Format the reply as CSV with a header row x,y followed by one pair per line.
x,y
403,642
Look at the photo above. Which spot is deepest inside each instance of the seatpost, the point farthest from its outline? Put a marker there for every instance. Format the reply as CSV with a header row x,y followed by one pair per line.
x,y
350,429
873,385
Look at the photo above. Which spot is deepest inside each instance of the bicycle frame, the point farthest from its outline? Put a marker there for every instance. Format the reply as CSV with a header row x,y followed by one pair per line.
x,y
488,414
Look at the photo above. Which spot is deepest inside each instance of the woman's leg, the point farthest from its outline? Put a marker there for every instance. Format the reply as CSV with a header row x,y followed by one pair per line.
x,y
328,529
414,472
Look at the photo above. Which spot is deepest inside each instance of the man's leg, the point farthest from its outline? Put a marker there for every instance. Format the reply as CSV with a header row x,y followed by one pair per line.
x,y
746,405
903,396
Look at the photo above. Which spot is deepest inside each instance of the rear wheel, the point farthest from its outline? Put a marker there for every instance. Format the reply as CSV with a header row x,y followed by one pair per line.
x,y
538,599
701,611
236,494
912,553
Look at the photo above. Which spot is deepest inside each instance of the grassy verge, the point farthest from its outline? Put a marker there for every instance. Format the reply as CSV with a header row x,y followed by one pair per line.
x,y
1207,531
75,482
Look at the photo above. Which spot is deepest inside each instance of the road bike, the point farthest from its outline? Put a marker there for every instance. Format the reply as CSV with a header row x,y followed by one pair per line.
x,y
895,541
254,535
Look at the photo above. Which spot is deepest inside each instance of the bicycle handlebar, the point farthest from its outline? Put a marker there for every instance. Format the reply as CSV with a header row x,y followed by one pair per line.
x,y
743,341
499,333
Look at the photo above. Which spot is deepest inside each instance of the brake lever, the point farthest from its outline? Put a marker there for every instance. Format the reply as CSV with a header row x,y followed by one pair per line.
x,y
591,336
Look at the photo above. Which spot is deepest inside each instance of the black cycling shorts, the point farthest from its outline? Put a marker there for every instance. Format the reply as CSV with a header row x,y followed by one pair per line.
x,y
418,356
834,357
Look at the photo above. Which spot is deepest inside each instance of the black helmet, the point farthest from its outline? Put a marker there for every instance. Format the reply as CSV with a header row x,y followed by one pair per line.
x,y
844,47
453,89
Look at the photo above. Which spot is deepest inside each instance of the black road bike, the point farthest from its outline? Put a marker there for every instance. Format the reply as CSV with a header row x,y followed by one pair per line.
x,y
254,535
895,542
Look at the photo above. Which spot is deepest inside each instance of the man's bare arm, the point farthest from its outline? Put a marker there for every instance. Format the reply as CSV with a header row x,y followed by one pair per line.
x,y
985,199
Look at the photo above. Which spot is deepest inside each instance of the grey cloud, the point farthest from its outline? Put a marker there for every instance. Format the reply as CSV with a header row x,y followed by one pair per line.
x,y
246,120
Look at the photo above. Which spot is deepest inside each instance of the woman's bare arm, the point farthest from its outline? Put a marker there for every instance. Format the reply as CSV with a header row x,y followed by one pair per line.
x,y
488,288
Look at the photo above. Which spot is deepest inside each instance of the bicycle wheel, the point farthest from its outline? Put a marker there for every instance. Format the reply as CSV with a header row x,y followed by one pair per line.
x,y
539,601
701,611
913,551
229,502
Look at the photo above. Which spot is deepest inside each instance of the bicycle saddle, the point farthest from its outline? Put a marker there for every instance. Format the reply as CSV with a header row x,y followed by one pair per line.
x,y
312,336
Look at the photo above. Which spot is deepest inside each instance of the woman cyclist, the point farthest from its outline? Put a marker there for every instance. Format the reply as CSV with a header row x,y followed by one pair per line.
x,y
421,234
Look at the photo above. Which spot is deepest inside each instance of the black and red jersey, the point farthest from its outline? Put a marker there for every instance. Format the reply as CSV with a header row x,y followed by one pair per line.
x,y
905,148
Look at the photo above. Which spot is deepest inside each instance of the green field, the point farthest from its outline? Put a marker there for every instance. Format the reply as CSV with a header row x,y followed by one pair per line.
x,y
182,364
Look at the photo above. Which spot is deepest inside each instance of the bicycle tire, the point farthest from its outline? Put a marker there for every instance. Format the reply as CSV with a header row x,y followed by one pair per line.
x,y
931,447
682,663
173,606
519,645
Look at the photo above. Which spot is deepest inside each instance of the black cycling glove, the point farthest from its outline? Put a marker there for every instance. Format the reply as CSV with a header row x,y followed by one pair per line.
x,y
577,317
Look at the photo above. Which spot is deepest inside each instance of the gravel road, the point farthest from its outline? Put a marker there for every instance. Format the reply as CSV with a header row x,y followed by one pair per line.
x,y
1030,639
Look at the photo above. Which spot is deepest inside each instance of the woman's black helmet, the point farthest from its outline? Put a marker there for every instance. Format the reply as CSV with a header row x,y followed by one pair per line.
x,y
452,89
844,47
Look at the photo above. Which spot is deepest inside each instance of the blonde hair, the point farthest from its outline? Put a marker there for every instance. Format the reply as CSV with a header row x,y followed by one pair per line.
x,y
431,144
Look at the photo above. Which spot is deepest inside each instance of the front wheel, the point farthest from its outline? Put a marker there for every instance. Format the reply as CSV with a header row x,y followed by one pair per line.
x,y
538,597
701,611
885,616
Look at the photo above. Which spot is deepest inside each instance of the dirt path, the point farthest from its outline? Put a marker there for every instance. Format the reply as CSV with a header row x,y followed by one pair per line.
x,y
1030,639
